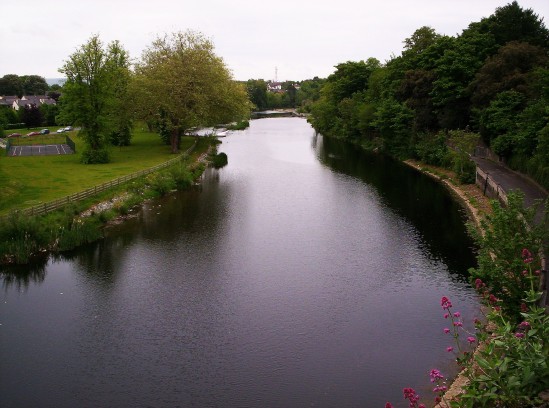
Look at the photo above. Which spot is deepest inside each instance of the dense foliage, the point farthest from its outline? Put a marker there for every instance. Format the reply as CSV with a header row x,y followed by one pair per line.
x,y
291,95
15,85
94,96
492,80
180,83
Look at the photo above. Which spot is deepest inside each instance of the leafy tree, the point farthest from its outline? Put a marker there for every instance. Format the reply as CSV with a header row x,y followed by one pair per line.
x,y
257,92
11,84
34,85
181,76
394,121
463,144
351,77
415,91
513,23
500,119
49,114
31,116
509,69
308,92
455,70
289,95
91,94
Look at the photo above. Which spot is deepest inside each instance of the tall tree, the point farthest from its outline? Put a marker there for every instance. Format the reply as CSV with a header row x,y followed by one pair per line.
x,y
11,84
93,93
181,77
31,116
257,91
34,85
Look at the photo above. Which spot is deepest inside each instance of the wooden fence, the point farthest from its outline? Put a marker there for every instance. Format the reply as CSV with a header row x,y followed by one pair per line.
x,y
50,206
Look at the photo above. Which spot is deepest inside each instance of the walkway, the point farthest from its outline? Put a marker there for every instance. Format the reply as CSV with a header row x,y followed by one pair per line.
x,y
509,180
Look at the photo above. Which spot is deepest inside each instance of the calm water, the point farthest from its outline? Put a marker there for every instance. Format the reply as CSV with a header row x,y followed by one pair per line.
x,y
305,273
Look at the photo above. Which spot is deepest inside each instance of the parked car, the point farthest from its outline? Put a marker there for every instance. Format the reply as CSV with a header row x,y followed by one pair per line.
x,y
68,128
15,135
33,134
44,131
60,130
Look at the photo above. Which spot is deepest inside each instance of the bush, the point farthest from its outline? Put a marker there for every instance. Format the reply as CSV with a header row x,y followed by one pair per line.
x,y
99,156
21,236
80,231
219,160
161,183
433,150
506,232
182,177
240,125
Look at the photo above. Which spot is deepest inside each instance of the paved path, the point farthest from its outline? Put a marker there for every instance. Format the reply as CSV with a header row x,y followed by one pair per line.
x,y
510,180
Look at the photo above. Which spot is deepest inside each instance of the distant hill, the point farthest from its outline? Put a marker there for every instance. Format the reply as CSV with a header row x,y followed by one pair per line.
x,y
53,81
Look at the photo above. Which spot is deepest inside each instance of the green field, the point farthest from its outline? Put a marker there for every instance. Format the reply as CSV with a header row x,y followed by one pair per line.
x,y
30,180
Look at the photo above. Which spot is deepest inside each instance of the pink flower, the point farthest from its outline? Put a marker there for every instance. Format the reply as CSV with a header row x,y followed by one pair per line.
x,y
479,283
445,303
523,307
440,388
388,405
458,324
446,330
435,375
471,340
410,394
446,315
524,325
457,314
537,272
519,335
449,349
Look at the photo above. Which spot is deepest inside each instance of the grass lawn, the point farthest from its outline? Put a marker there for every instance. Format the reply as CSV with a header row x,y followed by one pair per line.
x,y
30,180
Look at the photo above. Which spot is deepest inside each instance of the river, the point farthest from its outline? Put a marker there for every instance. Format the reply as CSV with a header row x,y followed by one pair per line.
x,y
304,273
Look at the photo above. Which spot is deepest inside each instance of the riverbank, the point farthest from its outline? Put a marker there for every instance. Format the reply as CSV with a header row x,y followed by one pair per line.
x,y
470,196
24,237
477,206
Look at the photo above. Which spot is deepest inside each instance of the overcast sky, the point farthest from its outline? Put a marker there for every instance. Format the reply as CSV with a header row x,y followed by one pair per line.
x,y
299,38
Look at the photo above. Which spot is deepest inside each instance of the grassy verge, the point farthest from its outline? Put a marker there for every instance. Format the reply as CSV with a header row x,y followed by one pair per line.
x,y
31,180
24,237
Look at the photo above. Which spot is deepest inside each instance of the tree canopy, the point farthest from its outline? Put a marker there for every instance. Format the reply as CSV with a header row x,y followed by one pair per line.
x,y
15,85
94,94
181,83
491,80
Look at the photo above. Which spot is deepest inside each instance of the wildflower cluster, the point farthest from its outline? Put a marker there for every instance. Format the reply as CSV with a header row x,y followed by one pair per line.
x,y
410,395
512,367
456,325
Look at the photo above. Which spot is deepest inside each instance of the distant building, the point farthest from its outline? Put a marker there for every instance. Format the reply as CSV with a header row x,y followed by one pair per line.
x,y
18,103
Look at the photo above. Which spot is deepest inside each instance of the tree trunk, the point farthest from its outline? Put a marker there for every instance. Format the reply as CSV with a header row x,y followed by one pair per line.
x,y
174,139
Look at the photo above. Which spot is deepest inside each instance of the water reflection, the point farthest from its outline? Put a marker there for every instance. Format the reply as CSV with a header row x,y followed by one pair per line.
x,y
19,278
417,197
289,279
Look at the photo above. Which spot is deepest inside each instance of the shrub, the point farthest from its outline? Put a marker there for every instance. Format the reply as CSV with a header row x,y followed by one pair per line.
x,y
219,160
507,231
98,156
161,183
